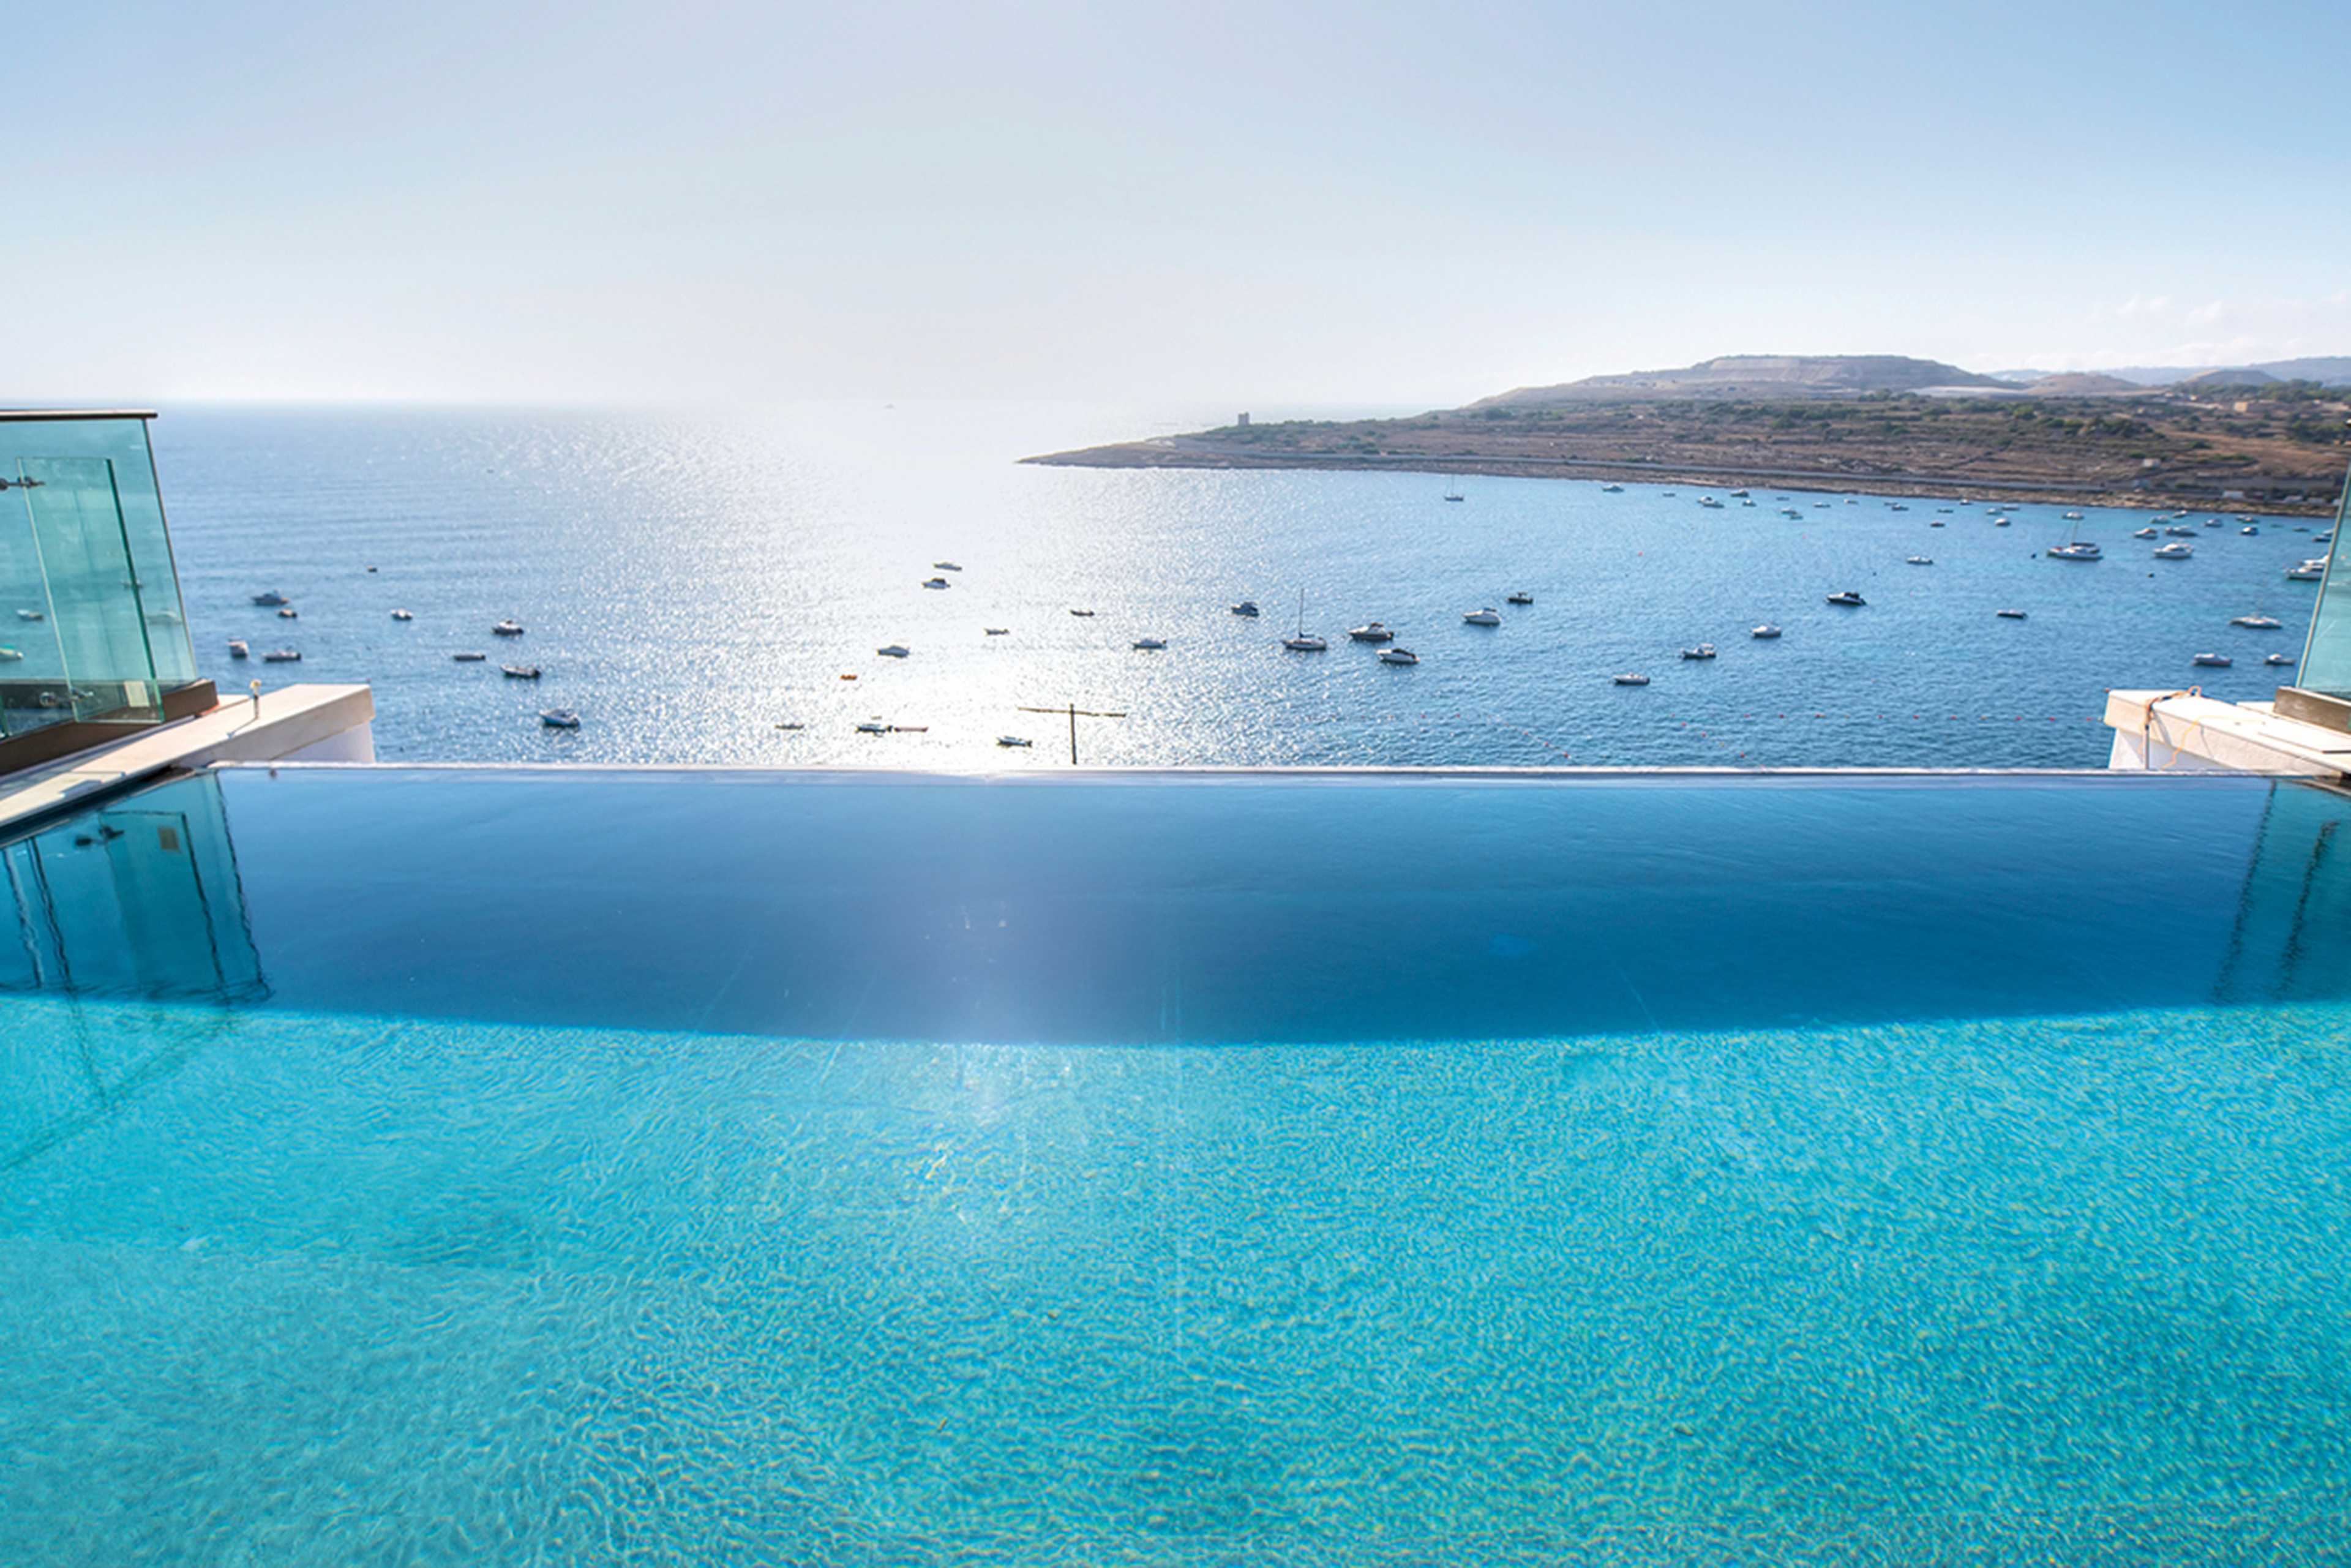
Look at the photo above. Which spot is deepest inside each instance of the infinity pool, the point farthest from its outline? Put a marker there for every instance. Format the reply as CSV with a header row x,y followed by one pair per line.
x,y
465,1166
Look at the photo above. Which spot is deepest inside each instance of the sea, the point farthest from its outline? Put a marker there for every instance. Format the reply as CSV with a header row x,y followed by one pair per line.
x,y
713,587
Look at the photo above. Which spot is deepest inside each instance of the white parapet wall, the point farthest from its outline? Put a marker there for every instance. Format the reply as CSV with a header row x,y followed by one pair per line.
x,y
2186,732
304,723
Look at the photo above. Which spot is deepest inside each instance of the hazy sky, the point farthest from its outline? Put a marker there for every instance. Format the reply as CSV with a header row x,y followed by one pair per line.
x,y
1262,205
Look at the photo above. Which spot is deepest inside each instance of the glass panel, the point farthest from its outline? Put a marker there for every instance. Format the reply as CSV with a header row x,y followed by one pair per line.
x,y
2326,657
93,593
32,667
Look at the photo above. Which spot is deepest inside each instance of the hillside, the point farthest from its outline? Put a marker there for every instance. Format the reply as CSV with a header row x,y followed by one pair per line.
x,y
1752,375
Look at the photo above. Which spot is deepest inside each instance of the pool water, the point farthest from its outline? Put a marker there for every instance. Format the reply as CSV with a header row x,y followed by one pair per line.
x,y
2041,1264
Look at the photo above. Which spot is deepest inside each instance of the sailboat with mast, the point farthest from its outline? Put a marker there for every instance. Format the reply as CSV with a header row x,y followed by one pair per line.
x,y
1301,643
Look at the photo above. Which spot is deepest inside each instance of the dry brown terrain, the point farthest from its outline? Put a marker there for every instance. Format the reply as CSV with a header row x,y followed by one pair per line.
x,y
2161,450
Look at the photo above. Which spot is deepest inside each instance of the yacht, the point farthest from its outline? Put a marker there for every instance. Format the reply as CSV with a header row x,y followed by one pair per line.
x,y
1398,656
1521,597
11,656
2256,623
894,650
2172,551
1246,607
1739,495
2076,550
2145,534
1611,489
2000,521
1848,598
1791,512
1632,680
2179,531
2281,660
1454,495
237,650
1936,523
2211,522
520,672
2009,614
271,600
1149,644
1013,741
1703,651
1301,643
506,629
1765,631
2212,661
2072,516
935,583
2249,528
2310,570
1372,631
469,658
1489,616
401,615
559,718
281,656
2325,539
31,615
1921,561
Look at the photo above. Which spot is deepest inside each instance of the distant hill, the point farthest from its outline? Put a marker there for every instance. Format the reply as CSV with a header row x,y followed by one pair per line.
x,y
2332,369
1753,375
2080,384
2238,377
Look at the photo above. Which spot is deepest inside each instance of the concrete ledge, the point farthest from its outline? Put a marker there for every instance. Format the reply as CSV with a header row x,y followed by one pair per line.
x,y
2185,732
322,723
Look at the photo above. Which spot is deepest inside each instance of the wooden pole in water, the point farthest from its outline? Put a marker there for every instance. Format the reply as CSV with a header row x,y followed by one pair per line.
x,y
1075,713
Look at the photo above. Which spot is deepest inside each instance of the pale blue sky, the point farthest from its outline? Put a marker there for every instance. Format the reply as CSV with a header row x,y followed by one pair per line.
x,y
1259,206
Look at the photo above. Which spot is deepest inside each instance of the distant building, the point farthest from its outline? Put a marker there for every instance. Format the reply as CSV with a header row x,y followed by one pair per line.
x,y
1243,420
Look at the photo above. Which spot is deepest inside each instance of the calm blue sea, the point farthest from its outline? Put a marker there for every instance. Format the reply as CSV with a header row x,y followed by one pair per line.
x,y
690,583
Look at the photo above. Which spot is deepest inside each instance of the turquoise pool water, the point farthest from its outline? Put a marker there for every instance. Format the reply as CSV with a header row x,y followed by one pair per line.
x,y
296,1276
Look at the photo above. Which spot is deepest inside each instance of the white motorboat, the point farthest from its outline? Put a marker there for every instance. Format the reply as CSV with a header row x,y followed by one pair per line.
x,y
559,718
935,583
1398,656
2009,614
2072,516
401,615
2172,551
2211,522
2076,550
2249,528
944,566
1371,632
2281,660
270,600
2000,521
1489,616
2325,539
1611,489
1014,740
2179,531
2311,571
1149,644
237,650
2144,533
1631,680
31,615
289,613
894,650
1848,598
520,672
1765,631
1246,607
2212,661
10,655
281,656
506,629
1922,561
1703,651
1709,503
2256,623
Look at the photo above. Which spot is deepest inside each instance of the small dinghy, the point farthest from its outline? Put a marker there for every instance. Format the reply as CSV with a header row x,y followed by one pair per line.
x,y
506,629
1246,607
9,655
1519,597
401,615
1632,680
237,650
2281,660
289,613
894,650
520,672
270,600
1082,614
1149,644
791,726
1014,740
2009,614
935,583
1398,656
31,615
2212,661
559,718
469,658
281,656
1765,631
944,566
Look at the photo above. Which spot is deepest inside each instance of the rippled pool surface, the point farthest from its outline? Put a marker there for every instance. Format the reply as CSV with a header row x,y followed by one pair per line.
x,y
297,1276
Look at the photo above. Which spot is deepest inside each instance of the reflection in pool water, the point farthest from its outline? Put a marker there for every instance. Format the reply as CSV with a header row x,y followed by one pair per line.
x,y
439,1283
